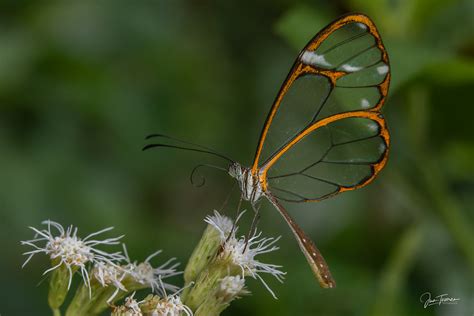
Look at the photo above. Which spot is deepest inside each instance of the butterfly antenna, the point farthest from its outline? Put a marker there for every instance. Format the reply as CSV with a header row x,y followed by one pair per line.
x,y
203,179
199,148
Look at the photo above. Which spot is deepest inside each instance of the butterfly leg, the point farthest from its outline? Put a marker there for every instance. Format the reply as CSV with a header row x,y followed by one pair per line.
x,y
234,222
253,226
226,201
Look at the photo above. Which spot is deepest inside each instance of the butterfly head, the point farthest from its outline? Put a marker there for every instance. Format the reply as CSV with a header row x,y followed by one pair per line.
x,y
236,170
249,185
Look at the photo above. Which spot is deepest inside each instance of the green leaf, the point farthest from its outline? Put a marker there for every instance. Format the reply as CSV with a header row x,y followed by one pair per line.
x,y
458,157
409,59
301,23
403,18
452,72
452,28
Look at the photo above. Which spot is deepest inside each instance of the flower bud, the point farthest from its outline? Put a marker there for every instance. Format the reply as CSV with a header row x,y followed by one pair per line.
x,y
214,235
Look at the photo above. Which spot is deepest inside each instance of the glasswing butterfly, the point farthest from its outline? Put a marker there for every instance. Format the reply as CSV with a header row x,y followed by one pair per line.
x,y
324,134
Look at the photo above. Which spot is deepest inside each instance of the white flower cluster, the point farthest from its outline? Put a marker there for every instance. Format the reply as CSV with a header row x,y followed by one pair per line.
x,y
243,252
221,223
169,305
109,277
130,308
145,274
231,287
66,248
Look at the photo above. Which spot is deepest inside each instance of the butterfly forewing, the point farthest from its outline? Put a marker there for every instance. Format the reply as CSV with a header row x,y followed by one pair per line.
x,y
296,111
343,69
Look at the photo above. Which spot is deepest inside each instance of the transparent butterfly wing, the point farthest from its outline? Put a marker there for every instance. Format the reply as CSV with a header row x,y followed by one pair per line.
x,y
330,104
342,155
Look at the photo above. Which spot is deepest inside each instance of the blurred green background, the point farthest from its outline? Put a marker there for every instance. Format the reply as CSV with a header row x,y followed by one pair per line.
x,y
82,83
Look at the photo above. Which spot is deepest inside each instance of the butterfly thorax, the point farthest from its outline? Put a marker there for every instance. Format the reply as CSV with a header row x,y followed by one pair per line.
x,y
250,186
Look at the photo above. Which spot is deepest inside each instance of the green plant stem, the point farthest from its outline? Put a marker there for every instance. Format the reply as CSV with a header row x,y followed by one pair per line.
x,y
100,303
207,282
58,286
84,300
211,309
202,254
